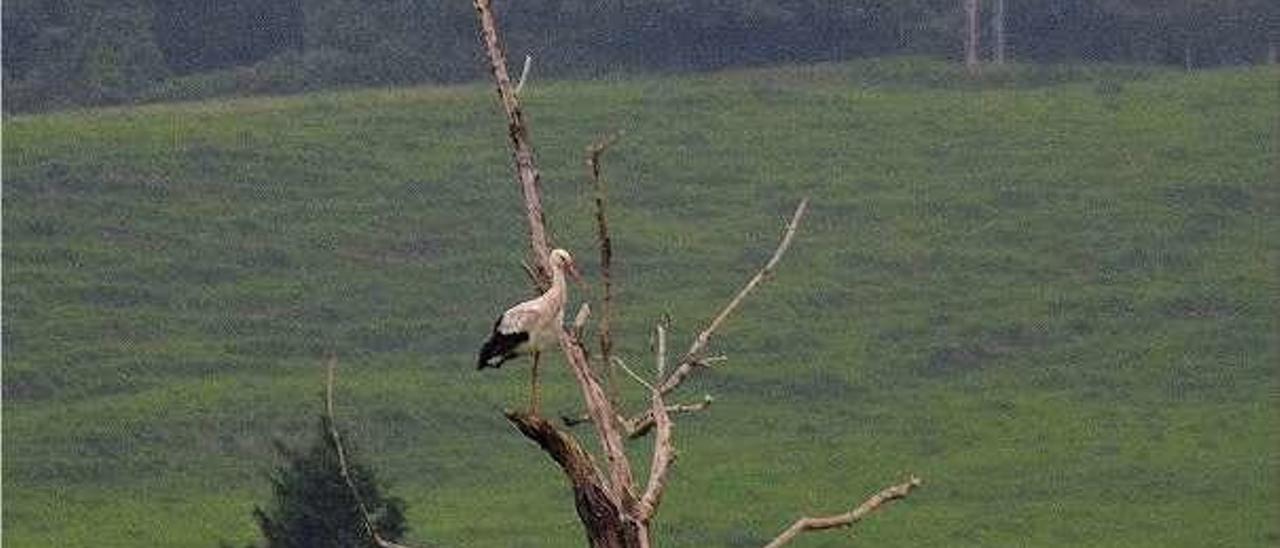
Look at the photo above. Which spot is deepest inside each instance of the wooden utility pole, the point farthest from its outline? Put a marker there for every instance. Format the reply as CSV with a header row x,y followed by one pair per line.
x,y
971,37
997,26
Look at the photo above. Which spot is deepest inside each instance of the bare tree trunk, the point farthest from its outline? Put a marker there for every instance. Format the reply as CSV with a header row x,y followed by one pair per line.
x,y
997,24
1273,56
971,37
600,515
1186,55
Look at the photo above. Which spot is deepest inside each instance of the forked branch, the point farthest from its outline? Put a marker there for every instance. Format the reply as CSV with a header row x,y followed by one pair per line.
x,y
694,357
849,518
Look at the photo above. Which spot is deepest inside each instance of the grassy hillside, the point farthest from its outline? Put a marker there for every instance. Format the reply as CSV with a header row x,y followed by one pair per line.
x,y
1051,294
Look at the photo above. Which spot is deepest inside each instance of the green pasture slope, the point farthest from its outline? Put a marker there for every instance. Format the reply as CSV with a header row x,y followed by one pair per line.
x,y
1051,294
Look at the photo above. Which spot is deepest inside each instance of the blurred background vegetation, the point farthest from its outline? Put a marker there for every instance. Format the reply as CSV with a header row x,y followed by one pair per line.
x,y
63,53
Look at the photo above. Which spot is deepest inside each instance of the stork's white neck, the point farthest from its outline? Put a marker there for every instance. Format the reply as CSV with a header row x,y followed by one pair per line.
x,y
556,293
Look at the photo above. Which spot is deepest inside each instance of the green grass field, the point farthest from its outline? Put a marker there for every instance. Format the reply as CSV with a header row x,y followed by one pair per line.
x,y
1051,294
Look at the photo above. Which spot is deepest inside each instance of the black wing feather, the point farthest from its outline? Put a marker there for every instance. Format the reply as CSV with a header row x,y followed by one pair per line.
x,y
500,347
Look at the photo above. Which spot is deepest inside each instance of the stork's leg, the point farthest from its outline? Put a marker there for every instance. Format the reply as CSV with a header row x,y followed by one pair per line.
x,y
533,386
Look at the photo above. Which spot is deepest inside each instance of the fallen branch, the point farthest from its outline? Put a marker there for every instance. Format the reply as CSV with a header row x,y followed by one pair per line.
x,y
849,518
342,462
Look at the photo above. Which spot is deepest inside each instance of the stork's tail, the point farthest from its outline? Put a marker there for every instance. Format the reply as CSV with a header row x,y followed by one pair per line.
x,y
499,348
490,355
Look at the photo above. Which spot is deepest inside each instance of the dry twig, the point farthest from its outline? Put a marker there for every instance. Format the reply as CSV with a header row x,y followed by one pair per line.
x,y
524,74
634,376
643,423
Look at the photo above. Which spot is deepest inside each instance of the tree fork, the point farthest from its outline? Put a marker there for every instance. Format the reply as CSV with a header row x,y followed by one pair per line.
x,y
600,514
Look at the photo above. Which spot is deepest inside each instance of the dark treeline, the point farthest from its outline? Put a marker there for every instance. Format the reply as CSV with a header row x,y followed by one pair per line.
x,y
68,52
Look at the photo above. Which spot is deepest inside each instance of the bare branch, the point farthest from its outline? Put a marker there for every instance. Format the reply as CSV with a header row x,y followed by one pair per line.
x,y
691,357
342,461
664,451
594,151
633,374
640,425
849,518
526,168
524,74
643,423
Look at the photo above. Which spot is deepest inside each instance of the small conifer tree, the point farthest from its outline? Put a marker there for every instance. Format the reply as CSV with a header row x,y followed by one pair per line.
x,y
313,506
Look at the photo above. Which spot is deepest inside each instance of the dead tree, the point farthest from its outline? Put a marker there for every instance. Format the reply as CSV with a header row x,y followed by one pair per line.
x,y
616,512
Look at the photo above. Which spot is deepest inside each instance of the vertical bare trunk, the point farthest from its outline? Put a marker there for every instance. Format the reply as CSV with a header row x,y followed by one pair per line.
x,y
997,24
971,37
526,168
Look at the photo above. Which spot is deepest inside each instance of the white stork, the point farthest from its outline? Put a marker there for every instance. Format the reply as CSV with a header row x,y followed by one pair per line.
x,y
531,326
